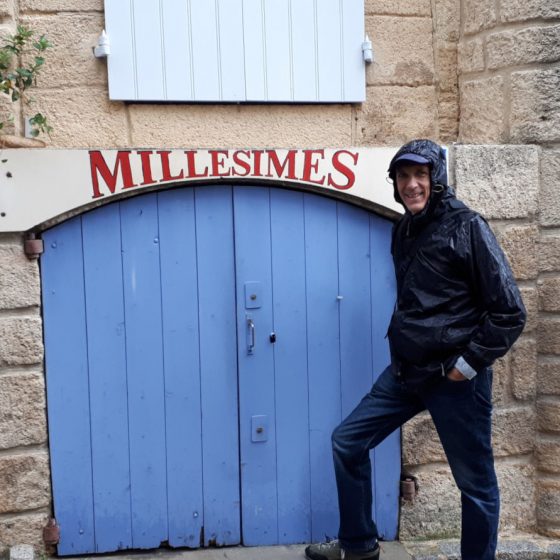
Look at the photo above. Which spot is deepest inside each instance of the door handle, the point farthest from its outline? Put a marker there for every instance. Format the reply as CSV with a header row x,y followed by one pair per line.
x,y
250,335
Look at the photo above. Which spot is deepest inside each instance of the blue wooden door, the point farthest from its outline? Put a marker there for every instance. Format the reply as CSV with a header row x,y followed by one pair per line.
x,y
201,344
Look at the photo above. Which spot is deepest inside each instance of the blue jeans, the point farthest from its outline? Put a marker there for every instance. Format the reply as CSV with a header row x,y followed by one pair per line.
x,y
461,411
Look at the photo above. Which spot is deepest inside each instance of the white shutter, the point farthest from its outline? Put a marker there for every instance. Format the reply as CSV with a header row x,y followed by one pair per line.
x,y
236,50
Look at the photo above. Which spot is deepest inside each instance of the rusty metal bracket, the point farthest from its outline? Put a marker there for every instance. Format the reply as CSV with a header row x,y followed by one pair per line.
x,y
409,487
33,247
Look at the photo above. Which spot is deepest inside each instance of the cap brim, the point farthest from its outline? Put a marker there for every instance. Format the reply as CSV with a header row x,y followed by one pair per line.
x,y
414,158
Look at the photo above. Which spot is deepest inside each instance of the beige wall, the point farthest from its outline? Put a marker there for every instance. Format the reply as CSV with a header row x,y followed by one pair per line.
x,y
477,71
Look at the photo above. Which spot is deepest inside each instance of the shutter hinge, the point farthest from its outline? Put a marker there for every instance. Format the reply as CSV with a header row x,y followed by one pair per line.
x,y
103,48
367,50
33,247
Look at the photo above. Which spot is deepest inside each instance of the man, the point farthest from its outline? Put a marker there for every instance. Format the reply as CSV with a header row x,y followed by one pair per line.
x,y
458,309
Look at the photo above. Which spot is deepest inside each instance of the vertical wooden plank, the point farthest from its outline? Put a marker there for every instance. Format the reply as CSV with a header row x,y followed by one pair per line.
x,y
388,454
256,370
323,356
329,53
304,50
232,64
142,296
278,49
207,80
355,314
67,386
177,50
122,62
255,54
179,296
107,378
353,65
290,366
218,364
148,44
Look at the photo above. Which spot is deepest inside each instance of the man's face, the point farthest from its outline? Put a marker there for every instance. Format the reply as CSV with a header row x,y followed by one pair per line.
x,y
413,186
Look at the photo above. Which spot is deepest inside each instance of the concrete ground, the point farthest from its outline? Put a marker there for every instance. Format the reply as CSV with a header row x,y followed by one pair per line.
x,y
389,551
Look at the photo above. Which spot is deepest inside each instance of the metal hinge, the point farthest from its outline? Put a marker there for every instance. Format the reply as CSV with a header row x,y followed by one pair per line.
x,y
367,50
103,48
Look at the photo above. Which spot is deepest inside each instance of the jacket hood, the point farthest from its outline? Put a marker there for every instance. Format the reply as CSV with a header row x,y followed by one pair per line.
x,y
430,151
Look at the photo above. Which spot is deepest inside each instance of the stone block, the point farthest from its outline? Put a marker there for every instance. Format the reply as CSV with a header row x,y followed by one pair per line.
x,y
535,106
523,46
548,501
447,16
548,336
513,431
501,182
420,441
530,299
549,377
448,116
478,15
19,278
548,415
9,115
22,552
549,196
524,369
482,111
399,8
21,341
6,9
549,294
22,410
500,380
70,62
60,6
519,244
25,482
517,496
386,117
548,455
26,528
436,511
229,126
523,10
85,117
446,66
549,253
471,56
412,64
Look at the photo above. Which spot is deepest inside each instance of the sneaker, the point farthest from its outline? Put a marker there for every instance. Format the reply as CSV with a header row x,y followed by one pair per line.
x,y
331,551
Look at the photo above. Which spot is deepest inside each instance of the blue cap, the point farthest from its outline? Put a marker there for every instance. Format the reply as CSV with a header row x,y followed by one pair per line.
x,y
413,158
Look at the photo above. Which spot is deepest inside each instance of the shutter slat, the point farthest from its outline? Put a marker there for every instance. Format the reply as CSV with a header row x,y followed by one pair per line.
x,y
236,50
278,67
177,50
328,49
231,50
304,51
150,63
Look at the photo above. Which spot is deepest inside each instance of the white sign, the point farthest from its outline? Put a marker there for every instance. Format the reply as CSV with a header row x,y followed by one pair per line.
x,y
41,187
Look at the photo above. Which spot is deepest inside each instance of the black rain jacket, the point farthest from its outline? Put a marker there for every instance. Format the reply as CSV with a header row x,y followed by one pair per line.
x,y
456,295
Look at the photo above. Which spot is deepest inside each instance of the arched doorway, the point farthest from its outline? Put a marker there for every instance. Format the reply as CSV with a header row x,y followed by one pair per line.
x,y
201,344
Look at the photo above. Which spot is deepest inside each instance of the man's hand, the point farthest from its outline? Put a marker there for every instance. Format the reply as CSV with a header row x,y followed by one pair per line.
x,y
456,375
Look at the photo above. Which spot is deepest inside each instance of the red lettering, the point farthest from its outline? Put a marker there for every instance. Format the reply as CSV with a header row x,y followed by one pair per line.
x,y
310,166
165,168
246,165
191,165
274,161
146,168
257,163
344,169
217,163
122,168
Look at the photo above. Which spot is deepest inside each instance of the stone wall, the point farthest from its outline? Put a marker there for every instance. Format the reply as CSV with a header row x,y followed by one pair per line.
x,y
419,79
25,498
